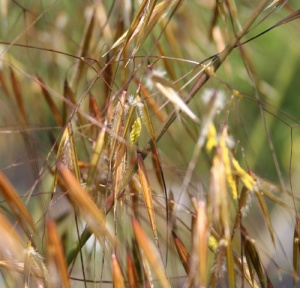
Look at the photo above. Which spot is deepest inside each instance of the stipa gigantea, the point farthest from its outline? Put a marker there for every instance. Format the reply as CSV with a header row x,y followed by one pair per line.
x,y
112,146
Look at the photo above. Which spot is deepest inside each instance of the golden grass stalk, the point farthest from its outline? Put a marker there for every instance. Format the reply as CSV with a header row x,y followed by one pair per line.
x,y
201,243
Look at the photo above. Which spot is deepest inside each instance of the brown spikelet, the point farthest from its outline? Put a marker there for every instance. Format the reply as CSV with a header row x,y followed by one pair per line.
x,y
66,155
86,206
296,250
147,193
151,253
117,273
182,252
252,257
55,258
17,207
50,102
18,95
132,276
85,47
3,84
266,215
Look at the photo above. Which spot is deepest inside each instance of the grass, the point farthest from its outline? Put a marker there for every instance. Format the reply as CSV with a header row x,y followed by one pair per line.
x,y
149,143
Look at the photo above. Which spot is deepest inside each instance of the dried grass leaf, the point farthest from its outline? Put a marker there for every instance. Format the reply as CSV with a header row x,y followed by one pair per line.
x,y
168,90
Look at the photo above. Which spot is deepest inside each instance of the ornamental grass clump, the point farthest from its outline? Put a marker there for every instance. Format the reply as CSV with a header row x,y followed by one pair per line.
x,y
149,144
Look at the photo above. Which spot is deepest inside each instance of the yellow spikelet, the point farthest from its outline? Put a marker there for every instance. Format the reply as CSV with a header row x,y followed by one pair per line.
x,y
211,138
135,131
212,243
246,178
226,161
